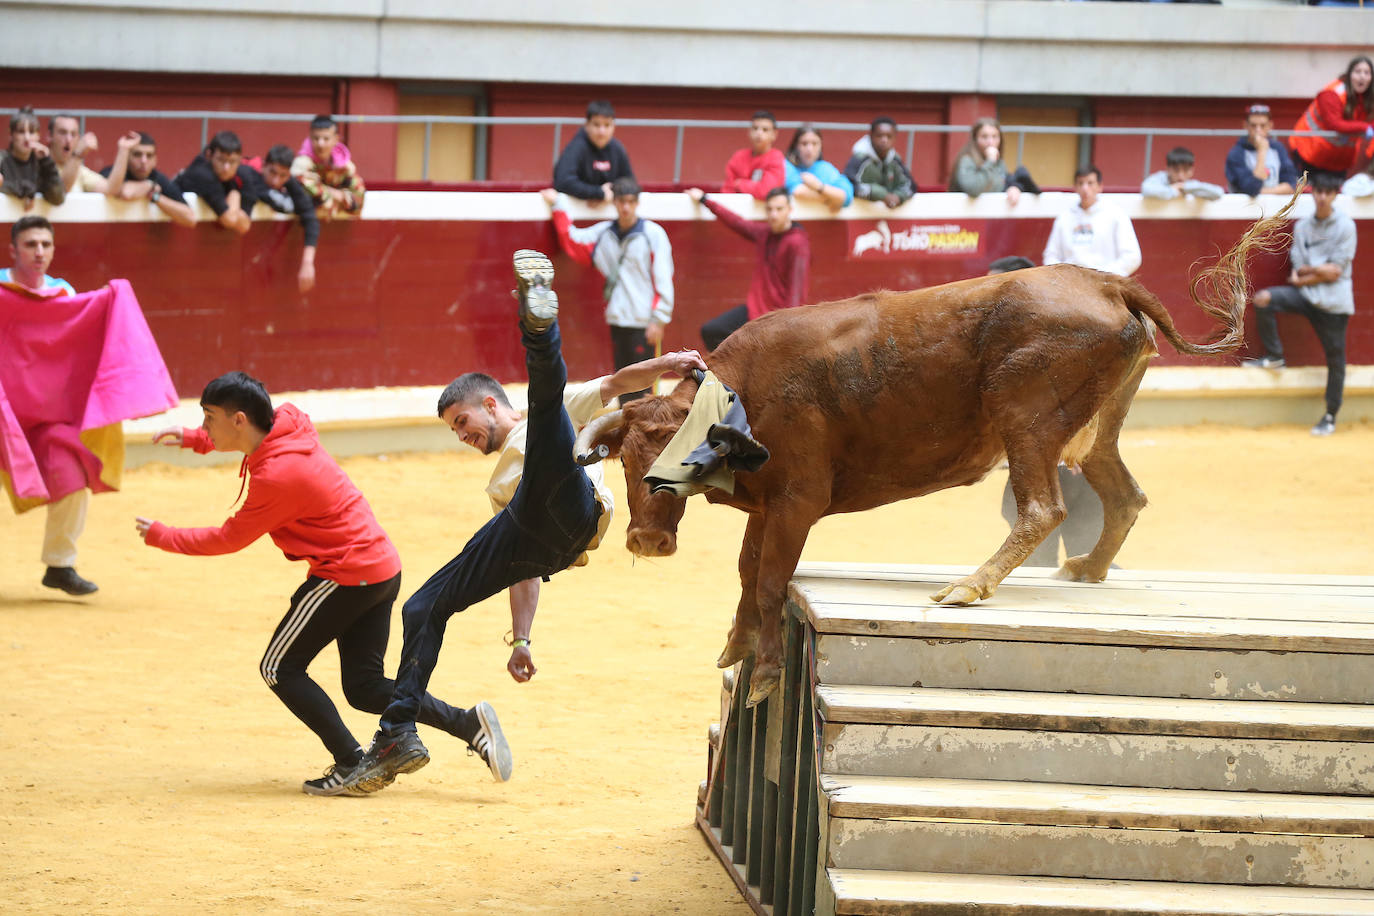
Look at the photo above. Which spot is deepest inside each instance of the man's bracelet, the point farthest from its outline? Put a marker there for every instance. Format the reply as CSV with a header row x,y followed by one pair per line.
x,y
519,641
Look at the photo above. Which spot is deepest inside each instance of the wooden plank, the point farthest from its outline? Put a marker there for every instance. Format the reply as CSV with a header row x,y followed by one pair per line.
x,y
1161,761
1097,806
1092,852
1095,713
905,572
1206,601
882,893
1320,677
983,621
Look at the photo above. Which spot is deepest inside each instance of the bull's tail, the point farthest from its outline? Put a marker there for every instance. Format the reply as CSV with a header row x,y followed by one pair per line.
x,y
1222,289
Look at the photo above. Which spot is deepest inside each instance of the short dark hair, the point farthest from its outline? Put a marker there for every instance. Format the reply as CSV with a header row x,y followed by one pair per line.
x,y
22,116
146,140
1324,181
764,114
52,122
226,141
779,191
238,391
279,155
1180,155
470,388
625,186
25,223
1009,263
882,119
322,122
1085,170
600,108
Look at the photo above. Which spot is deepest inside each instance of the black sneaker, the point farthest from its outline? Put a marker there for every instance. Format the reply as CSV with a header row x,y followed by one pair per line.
x,y
67,579
1325,426
388,756
534,290
490,743
335,781
1264,362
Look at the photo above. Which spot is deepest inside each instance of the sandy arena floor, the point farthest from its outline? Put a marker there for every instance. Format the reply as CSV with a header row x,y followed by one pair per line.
x,y
147,768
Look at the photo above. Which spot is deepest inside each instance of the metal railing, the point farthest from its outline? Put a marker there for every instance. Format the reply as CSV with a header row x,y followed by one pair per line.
x,y
482,123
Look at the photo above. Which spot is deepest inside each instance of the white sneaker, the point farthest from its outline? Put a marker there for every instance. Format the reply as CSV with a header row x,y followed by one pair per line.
x,y
490,743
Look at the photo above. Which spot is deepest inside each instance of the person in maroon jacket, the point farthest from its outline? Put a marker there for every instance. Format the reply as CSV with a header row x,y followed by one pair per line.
x,y
758,168
782,263
298,494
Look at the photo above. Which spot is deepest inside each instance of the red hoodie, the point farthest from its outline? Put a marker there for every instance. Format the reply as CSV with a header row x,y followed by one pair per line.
x,y
299,495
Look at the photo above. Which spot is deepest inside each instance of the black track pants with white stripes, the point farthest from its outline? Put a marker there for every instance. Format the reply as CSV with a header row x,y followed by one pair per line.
x,y
359,618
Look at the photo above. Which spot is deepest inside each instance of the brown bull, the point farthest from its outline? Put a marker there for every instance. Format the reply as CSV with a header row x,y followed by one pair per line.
x,y
896,394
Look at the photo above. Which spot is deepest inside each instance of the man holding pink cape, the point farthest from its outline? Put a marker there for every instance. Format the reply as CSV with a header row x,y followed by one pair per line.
x,y
72,367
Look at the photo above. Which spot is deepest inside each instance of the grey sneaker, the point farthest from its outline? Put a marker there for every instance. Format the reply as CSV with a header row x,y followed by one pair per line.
x,y
335,781
389,756
1325,426
534,290
490,743
1264,362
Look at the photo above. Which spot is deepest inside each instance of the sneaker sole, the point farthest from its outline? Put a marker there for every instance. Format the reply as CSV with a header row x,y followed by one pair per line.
x,y
539,303
501,764
385,774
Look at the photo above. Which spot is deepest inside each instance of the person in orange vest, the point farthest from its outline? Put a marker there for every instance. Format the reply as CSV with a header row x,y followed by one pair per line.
x,y
1345,105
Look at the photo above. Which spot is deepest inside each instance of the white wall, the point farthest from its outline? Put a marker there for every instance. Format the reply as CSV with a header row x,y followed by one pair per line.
x,y
991,46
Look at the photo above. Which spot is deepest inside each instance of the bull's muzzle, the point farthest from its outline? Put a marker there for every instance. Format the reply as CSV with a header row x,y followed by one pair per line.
x,y
650,542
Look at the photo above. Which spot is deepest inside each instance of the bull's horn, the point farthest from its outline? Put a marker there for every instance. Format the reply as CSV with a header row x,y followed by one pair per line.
x,y
582,448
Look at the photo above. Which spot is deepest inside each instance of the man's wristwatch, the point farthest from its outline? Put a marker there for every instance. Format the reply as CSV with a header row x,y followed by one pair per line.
x,y
156,193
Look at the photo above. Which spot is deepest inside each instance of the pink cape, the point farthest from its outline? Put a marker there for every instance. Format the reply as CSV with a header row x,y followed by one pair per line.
x,y
68,364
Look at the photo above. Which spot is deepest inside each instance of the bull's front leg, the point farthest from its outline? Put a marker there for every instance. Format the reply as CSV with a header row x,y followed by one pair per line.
x,y
784,535
744,630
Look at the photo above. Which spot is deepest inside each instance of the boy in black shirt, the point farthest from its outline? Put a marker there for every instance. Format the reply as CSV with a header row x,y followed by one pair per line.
x,y
276,187
593,159
219,178
134,176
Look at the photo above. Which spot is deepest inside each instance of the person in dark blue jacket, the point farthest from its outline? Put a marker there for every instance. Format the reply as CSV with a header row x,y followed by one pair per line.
x,y
1258,164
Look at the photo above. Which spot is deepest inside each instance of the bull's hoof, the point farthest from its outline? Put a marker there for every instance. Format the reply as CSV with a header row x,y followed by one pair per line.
x,y
762,685
737,649
1078,569
954,593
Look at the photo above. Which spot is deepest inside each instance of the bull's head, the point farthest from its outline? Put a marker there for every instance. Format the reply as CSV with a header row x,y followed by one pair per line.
x,y
638,432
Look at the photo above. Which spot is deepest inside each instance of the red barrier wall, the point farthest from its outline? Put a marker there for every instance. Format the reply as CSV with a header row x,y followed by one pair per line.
x,y
417,301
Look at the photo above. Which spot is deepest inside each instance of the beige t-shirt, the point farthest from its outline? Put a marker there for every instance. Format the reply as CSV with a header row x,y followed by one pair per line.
x,y
582,403
86,181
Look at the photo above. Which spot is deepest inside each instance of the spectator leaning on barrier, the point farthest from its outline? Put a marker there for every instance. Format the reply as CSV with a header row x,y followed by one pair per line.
x,y
1258,164
69,147
593,158
1177,179
636,259
219,178
758,168
810,177
275,186
1319,288
1344,105
782,263
325,168
134,176
980,167
26,166
1093,233
875,169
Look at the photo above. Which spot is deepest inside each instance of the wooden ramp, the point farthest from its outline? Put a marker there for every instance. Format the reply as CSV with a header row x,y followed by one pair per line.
x,y
1157,743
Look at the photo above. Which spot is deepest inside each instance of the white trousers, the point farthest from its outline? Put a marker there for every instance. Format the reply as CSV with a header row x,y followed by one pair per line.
x,y
66,521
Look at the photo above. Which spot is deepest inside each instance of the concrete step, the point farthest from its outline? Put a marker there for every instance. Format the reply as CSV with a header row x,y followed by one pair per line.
x,y
863,892
1058,804
1120,741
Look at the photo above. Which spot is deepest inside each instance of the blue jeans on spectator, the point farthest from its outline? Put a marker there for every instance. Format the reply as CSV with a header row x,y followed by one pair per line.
x,y
546,527
1330,330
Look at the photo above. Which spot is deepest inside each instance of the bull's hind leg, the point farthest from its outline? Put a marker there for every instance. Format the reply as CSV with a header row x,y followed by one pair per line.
x,y
744,630
1122,499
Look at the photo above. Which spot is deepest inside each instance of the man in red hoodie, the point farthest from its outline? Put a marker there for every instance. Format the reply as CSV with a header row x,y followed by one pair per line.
x,y
782,263
300,496
758,168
